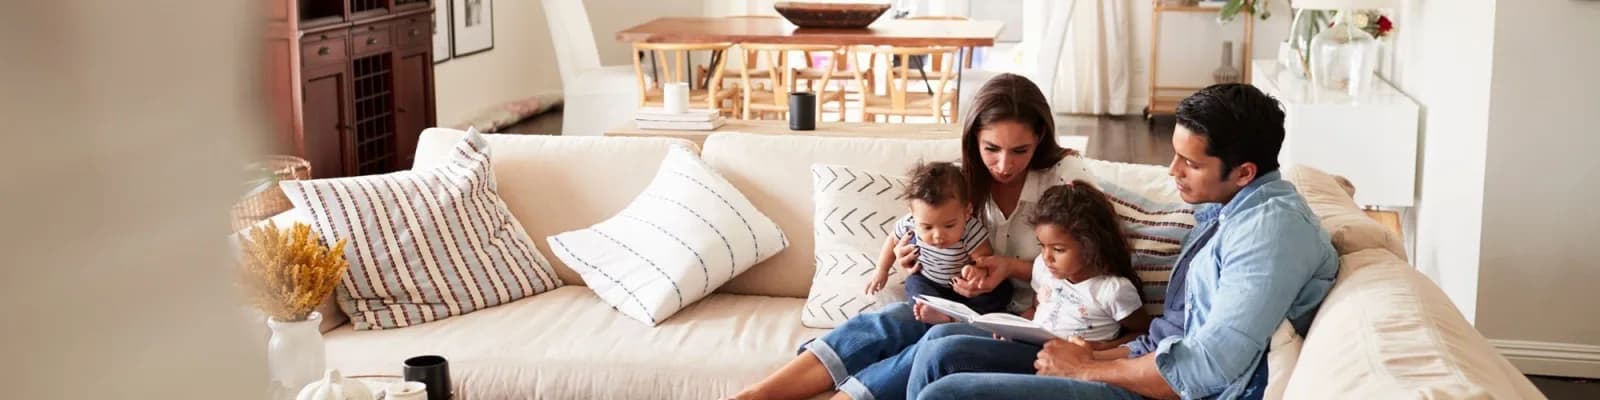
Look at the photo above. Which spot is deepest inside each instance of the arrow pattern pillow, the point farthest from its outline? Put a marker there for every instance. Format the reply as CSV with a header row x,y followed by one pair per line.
x,y
855,211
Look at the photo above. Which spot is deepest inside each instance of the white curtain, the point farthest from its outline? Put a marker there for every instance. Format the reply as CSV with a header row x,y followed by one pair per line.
x,y
1097,63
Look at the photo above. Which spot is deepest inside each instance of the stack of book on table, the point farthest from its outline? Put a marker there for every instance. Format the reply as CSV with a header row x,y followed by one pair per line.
x,y
692,120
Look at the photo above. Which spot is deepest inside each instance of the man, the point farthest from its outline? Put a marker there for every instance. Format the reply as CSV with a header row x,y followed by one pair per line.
x,y
1256,257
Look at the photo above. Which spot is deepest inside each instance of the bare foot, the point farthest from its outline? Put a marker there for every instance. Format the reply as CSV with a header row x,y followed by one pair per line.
x,y
749,393
929,315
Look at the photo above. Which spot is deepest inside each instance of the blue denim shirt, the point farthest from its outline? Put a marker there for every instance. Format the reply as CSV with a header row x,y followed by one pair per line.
x,y
1269,260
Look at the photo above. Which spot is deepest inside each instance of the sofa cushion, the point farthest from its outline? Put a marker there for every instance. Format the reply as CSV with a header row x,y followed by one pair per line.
x,y
424,244
1154,219
774,172
567,344
1385,331
1330,198
856,212
554,184
686,235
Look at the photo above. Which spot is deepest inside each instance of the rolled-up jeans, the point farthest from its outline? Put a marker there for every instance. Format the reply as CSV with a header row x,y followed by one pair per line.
x,y
869,356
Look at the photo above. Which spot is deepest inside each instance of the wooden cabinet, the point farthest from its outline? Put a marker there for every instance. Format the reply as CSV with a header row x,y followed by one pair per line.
x,y
326,118
365,84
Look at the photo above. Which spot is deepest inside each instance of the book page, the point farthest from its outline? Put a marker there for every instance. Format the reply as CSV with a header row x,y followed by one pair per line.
x,y
1013,327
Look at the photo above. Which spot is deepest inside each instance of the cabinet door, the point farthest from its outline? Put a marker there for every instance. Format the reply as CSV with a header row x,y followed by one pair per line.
x,y
326,113
413,78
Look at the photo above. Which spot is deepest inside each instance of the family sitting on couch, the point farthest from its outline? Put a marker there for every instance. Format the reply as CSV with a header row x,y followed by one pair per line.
x,y
1257,257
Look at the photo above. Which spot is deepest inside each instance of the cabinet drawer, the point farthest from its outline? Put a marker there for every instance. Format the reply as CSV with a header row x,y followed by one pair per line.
x,y
413,31
323,49
371,39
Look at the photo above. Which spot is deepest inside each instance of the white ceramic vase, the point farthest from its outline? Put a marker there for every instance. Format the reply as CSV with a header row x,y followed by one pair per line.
x,y
295,354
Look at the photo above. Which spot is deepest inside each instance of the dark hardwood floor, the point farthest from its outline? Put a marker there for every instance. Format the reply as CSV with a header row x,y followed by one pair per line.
x,y
1129,139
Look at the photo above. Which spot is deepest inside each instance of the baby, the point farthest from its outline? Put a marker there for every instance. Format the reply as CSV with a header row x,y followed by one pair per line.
x,y
947,238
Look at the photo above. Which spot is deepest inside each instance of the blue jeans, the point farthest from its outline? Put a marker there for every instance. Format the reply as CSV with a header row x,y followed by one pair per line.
x,y
991,385
956,348
869,356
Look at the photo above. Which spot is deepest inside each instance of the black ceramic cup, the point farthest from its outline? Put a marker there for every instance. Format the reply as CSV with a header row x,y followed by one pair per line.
x,y
433,371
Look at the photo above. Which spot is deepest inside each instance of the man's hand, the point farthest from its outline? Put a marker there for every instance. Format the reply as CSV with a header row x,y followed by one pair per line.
x,y
905,255
1064,358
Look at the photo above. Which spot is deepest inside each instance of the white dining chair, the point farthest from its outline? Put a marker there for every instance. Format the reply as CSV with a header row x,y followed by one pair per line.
x,y
1045,54
592,92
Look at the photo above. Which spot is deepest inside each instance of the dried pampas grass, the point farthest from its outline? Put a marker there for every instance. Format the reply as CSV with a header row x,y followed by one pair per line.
x,y
287,274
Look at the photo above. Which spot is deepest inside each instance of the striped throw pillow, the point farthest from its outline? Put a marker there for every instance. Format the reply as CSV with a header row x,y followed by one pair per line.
x,y
688,233
1154,218
425,244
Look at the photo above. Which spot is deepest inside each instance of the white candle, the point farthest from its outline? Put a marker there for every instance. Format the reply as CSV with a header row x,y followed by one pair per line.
x,y
676,97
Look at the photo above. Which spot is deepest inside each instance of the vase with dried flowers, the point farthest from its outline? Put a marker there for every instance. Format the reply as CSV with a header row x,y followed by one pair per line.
x,y
287,274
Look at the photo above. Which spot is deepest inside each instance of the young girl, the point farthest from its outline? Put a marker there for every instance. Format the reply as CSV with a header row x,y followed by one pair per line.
x,y
1084,275
947,238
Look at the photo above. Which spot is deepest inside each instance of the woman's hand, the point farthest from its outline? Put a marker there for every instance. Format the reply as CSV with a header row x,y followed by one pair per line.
x,y
981,277
905,255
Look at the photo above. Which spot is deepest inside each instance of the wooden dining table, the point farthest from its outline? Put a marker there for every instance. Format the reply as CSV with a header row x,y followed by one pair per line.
x,y
962,34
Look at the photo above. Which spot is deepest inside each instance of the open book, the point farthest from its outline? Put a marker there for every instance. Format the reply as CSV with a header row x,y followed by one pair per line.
x,y
1006,325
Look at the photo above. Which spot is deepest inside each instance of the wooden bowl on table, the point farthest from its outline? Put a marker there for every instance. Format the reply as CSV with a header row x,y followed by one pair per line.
x,y
830,15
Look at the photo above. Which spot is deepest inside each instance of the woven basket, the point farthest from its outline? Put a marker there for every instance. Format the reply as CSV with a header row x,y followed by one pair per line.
x,y
267,200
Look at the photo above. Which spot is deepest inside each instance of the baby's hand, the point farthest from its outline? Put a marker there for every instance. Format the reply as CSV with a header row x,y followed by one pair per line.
x,y
878,281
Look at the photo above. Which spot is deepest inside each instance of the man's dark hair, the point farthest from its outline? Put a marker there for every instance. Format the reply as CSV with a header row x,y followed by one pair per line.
x,y
1241,124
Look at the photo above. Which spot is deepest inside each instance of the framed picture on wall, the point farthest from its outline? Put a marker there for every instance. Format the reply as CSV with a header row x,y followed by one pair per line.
x,y
441,31
472,28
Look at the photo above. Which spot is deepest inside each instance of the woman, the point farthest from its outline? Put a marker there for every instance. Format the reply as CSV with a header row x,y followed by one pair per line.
x,y
1009,156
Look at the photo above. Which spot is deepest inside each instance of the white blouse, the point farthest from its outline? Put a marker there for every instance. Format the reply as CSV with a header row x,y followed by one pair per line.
x,y
1013,236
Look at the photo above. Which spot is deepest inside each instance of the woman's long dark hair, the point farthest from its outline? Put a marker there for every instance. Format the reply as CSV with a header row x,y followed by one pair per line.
x,y
1084,212
1006,98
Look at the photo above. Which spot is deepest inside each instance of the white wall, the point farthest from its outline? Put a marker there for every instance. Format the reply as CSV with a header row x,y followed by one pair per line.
x,y
1538,266
521,64
1445,54
1191,45
115,177
523,60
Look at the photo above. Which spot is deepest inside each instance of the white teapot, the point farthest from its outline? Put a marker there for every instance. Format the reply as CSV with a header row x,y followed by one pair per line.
x,y
335,387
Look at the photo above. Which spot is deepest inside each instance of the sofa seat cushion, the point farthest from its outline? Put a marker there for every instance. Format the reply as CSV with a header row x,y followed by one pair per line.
x,y
567,344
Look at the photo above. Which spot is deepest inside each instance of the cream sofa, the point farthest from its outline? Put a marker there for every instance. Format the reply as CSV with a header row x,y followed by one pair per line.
x,y
1384,332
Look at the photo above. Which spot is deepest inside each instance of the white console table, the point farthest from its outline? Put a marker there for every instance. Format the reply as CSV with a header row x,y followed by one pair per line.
x,y
1371,140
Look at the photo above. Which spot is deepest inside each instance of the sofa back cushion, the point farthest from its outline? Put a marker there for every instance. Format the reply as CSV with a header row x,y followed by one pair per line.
x,y
1154,219
1330,198
555,184
774,172
1386,331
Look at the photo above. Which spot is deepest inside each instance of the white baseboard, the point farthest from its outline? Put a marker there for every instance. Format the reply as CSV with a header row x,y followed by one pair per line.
x,y
1547,358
